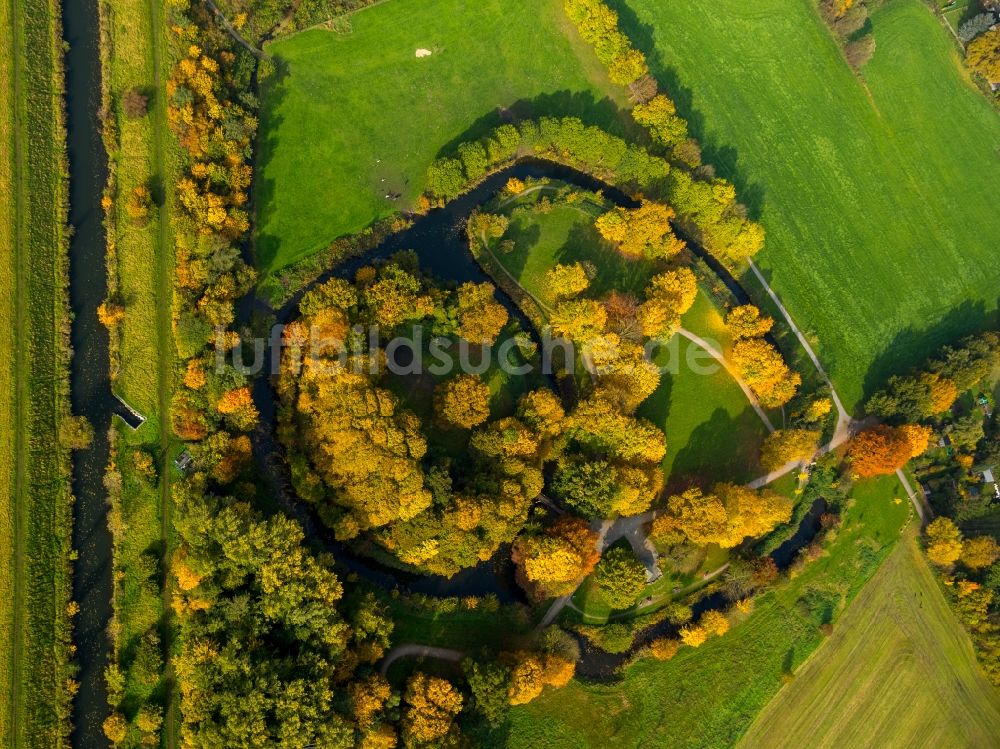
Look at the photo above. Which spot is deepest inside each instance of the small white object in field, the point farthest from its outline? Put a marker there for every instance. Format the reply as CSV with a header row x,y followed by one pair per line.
x,y
424,52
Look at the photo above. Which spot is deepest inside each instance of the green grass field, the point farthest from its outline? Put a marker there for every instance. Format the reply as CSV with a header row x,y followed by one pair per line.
x,y
141,271
877,192
358,116
712,432
35,508
708,697
878,680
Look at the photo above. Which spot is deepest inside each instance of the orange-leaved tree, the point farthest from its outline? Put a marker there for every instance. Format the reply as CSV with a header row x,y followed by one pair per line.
x,y
879,451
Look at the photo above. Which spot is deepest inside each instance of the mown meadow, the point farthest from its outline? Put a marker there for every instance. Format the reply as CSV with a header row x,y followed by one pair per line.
x,y
897,638
876,189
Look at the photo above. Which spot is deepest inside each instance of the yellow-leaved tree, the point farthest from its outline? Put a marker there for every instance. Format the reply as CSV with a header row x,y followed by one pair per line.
x,y
462,401
643,232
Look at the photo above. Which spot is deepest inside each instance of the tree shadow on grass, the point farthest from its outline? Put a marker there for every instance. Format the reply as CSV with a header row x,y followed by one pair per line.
x,y
273,91
719,449
614,272
723,157
525,239
911,348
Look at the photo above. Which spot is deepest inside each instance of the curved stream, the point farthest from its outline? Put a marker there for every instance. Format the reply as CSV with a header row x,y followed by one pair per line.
x,y
438,238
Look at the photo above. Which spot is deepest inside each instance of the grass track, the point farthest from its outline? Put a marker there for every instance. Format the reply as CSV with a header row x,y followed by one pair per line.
x,y
891,649
143,259
877,192
35,511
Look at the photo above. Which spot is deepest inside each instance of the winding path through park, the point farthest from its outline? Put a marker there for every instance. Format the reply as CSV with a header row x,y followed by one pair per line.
x,y
412,650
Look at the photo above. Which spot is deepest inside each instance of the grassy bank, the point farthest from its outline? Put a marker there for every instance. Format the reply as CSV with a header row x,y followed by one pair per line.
x,y
913,675
351,118
709,696
35,506
140,264
875,189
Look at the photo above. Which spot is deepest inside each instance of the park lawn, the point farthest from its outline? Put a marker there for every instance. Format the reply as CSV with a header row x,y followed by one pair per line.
x,y
141,262
877,191
713,434
462,628
35,470
912,674
708,697
352,117
565,233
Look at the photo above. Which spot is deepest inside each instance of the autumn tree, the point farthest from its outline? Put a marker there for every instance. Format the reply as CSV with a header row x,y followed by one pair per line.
x,y
817,410
944,542
115,728
480,316
553,562
75,432
879,451
542,411
363,445
659,116
714,622
726,516
139,204
238,407
487,226
588,487
462,401
489,683
135,104
913,398
979,552
788,445
620,576
746,321
693,635
396,297
664,648
624,376
643,232
983,55
368,697
919,437
431,705
765,371
110,314
668,296
531,672
623,316
579,320
566,281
